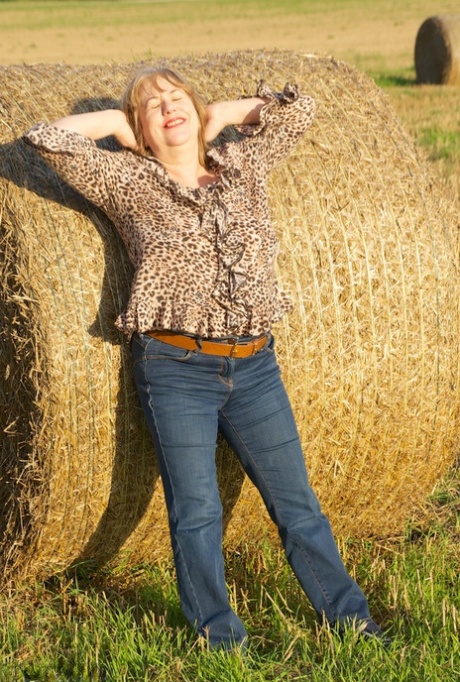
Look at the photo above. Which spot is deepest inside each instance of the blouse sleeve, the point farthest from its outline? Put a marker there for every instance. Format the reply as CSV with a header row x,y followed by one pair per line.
x,y
283,120
76,159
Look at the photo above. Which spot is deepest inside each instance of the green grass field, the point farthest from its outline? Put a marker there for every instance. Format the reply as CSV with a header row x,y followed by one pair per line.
x,y
121,626
125,625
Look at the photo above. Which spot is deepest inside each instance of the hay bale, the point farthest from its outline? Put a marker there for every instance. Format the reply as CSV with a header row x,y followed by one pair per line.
x,y
370,353
437,50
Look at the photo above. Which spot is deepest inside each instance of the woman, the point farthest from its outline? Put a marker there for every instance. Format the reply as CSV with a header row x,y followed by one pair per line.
x,y
204,297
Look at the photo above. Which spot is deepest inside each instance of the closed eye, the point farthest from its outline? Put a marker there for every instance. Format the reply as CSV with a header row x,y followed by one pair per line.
x,y
152,103
155,102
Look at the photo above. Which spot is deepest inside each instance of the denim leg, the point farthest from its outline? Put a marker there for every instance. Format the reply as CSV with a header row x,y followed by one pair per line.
x,y
180,401
258,423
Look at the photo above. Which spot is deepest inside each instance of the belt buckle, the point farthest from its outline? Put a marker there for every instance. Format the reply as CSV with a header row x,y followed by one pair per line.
x,y
234,342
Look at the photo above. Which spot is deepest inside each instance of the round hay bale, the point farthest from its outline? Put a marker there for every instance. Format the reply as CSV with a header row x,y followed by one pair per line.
x,y
370,353
437,50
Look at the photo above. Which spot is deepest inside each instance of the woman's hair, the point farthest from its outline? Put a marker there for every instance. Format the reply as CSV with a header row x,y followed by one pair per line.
x,y
132,98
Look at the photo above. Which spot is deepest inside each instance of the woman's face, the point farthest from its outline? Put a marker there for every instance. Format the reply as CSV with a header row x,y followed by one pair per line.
x,y
168,117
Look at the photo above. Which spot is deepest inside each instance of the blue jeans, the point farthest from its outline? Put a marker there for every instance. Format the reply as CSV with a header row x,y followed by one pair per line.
x,y
187,398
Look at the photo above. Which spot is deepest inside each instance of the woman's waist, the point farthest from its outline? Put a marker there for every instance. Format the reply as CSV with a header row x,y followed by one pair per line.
x,y
236,346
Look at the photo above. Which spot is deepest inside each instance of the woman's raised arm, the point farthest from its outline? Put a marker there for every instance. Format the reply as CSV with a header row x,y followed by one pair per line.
x,y
99,124
235,112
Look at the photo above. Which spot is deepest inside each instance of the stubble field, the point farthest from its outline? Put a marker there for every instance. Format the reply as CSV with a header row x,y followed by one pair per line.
x,y
90,31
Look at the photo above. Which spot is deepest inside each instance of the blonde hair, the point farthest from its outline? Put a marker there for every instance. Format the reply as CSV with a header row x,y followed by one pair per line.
x,y
132,99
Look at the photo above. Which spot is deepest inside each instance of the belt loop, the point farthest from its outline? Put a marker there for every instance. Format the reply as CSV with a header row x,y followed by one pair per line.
x,y
234,342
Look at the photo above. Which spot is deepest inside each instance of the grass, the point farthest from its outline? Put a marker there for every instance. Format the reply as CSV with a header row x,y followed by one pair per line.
x,y
56,13
431,114
117,626
125,625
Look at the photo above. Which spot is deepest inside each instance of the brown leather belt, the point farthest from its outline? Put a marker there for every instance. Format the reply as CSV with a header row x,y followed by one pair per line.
x,y
233,349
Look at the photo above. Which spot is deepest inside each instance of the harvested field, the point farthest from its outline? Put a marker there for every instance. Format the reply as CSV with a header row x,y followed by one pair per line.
x,y
101,32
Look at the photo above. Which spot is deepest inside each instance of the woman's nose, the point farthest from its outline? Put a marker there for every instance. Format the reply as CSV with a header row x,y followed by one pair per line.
x,y
167,106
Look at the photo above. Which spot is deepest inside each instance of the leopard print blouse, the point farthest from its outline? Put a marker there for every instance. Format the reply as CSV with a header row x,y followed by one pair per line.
x,y
204,258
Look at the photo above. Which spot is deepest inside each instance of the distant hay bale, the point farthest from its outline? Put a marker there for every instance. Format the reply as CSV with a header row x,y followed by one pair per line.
x,y
370,353
437,50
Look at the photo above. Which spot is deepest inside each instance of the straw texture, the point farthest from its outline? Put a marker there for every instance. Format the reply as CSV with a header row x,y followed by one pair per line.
x,y
437,50
369,355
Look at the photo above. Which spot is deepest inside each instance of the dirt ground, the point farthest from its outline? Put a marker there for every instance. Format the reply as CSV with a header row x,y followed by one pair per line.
x,y
346,36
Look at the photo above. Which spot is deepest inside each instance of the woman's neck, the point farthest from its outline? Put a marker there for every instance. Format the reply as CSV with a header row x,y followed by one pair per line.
x,y
191,174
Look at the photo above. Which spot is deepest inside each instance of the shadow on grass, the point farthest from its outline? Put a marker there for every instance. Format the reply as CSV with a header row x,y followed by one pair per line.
x,y
388,81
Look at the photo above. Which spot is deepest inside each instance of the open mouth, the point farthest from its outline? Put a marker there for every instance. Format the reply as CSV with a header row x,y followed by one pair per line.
x,y
175,122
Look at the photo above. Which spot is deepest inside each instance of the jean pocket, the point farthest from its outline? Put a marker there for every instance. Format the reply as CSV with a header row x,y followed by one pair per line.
x,y
140,341
270,345
145,347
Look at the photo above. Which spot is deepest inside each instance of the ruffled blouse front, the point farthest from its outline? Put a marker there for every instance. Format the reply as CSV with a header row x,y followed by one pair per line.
x,y
204,258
